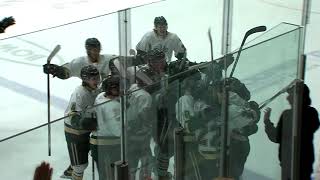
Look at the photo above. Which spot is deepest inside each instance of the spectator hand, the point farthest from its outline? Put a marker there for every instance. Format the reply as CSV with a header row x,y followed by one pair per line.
x,y
43,172
267,113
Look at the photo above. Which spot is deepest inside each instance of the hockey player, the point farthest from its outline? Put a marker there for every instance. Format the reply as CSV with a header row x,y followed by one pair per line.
x,y
79,125
151,74
162,40
186,115
154,77
243,118
205,125
105,140
73,68
139,135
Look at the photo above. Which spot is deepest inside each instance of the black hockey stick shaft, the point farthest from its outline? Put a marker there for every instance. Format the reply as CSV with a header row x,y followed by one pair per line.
x,y
265,103
93,173
283,90
52,54
211,46
48,114
211,50
248,33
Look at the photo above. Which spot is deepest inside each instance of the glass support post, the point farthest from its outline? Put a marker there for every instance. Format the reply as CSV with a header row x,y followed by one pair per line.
x,y
297,105
226,48
124,22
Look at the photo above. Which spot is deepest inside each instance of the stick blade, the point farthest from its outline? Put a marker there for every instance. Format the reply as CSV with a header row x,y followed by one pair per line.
x,y
209,34
255,30
53,53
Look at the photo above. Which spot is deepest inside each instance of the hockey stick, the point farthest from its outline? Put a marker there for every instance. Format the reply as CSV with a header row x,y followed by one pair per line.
x,y
93,175
51,55
211,50
211,46
195,165
283,90
248,33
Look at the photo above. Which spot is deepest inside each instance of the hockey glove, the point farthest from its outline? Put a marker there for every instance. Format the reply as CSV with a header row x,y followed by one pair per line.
x,y
55,70
180,56
80,121
140,58
255,106
75,120
88,123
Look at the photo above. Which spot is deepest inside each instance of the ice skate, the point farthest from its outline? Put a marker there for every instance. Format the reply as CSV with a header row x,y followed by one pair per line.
x,y
67,174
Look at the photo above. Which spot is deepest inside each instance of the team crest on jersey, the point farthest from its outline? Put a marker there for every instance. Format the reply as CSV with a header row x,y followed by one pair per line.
x,y
161,48
23,51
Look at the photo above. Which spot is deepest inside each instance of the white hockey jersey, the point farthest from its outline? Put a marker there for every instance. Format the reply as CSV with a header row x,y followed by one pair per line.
x,y
77,64
108,117
184,109
140,103
139,114
168,44
80,99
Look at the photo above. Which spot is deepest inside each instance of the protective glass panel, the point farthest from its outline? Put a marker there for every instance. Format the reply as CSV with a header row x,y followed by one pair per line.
x,y
22,76
23,56
260,79
27,151
105,140
189,20
197,109
150,124
247,15
271,33
24,85
166,113
87,139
